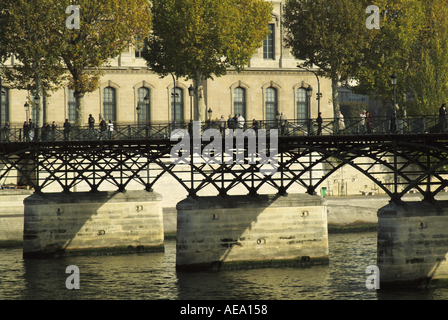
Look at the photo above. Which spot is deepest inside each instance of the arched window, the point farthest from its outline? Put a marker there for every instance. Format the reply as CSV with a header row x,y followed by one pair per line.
x,y
177,105
271,104
239,101
144,115
4,106
302,110
109,104
71,105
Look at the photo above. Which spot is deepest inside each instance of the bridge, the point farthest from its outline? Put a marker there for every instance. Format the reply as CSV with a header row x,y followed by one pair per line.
x,y
415,158
271,154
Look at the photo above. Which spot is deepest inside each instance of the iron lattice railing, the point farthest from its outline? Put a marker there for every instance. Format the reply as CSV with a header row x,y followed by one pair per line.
x,y
296,127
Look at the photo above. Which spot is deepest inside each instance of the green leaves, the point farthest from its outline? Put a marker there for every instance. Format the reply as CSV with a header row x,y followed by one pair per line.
x,y
192,37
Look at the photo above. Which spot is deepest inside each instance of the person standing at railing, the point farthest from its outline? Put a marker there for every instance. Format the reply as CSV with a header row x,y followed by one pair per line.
x,y
283,123
222,125
31,130
369,122
67,129
319,124
341,123
230,122
103,128
362,122
26,137
6,130
241,122
442,118
110,126
45,131
54,125
91,121
255,126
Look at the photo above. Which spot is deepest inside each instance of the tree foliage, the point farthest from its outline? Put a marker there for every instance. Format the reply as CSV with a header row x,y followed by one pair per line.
x,y
391,49
329,34
427,79
107,27
199,39
27,36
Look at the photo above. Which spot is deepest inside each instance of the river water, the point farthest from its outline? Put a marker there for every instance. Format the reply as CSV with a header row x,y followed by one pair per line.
x,y
152,276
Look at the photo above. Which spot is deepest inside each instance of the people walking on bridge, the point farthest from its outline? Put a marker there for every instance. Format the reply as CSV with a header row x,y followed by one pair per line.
x,y
341,124
319,124
67,129
110,127
369,122
442,118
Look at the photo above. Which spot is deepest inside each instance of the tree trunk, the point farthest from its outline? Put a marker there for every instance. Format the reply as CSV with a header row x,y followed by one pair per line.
x,y
199,98
39,91
80,107
335,95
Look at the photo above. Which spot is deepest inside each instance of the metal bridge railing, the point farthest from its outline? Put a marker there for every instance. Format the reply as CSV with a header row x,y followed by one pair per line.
x,y
290,127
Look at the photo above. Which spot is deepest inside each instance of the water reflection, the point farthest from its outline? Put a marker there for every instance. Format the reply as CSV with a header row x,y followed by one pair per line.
x,y
153,276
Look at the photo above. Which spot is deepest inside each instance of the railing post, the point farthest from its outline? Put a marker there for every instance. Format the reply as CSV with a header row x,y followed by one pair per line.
x,y
129,131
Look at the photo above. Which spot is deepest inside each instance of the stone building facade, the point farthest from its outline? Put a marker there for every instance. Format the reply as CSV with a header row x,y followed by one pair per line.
x,y
271,84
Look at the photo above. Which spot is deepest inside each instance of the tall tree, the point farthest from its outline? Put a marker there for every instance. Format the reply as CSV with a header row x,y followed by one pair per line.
x,y
199,39
391,50
428,72
27,36
106,28
39,37
329,34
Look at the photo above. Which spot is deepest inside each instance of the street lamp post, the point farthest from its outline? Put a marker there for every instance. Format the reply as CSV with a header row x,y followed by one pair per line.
x,y
138,110
191,94
210,112
38,122
393,124
27,108
318,94
309,94
1,96
146,100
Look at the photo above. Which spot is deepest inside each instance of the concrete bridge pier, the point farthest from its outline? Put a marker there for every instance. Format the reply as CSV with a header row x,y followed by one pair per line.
x,y
58,224
413,244
215,233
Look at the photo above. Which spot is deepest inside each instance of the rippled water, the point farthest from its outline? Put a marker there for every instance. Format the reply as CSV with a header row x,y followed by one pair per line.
x,y
153,276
